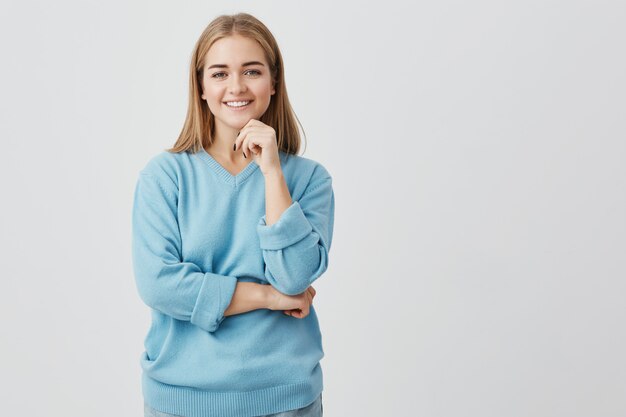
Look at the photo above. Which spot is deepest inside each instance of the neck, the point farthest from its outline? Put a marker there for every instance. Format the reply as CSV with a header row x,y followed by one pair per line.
x,y
222,146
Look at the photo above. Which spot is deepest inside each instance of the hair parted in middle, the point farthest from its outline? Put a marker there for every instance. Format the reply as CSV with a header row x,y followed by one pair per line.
x,y
198,129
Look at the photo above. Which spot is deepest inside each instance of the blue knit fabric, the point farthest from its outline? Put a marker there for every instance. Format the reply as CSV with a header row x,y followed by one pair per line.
x,y
196,231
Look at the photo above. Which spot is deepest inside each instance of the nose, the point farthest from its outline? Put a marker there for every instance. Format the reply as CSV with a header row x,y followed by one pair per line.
x,y
237,85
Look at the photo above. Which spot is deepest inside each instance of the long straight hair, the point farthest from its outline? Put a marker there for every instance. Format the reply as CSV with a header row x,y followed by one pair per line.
x,y
198,130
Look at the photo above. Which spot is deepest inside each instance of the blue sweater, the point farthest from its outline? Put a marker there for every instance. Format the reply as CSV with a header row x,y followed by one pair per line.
x,y
196,231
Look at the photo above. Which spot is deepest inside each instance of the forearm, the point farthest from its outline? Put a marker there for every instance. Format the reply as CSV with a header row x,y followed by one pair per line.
x,y
277,197
248,296
295,247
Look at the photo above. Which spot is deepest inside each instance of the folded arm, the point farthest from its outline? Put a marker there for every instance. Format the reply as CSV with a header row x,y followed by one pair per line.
x,y
295,247
164,282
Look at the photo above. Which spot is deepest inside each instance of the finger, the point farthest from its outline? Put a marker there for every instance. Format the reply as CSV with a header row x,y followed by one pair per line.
x,y
256,141
308,301
240,137
247,141
243,145
242,134
249,146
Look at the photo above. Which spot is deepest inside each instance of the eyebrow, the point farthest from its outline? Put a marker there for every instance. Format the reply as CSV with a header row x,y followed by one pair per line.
x,y
245,64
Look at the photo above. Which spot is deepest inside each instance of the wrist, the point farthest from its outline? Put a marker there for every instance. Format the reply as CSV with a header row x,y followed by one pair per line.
x,y
266,296
273,173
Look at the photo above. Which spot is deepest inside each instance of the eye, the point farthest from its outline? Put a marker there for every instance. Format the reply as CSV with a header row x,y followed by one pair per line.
x,y
254,72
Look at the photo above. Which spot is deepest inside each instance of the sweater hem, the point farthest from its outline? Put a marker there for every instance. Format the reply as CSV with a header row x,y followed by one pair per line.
x,y
192,402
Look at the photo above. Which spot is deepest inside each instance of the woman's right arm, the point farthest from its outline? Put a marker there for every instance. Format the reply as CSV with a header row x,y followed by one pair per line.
x,y
250,296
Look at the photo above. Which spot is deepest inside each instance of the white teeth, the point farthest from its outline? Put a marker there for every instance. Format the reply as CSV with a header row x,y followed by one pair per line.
x,y
236,103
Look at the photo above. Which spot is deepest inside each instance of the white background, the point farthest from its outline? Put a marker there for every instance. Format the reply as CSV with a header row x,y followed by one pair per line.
x,y
478,156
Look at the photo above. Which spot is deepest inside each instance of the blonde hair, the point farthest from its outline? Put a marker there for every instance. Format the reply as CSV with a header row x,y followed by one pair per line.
x,y
198,130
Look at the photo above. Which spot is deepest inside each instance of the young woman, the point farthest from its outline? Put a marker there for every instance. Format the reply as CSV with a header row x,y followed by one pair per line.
x,y
230,229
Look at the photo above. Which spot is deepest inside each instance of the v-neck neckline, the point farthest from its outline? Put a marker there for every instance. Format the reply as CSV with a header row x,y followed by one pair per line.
x,y
223,173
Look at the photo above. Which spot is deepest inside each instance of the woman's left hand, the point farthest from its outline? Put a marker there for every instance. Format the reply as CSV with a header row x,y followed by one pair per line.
x,y
258,140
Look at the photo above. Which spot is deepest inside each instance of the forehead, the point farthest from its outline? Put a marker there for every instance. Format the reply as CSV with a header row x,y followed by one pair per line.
x,y
234,50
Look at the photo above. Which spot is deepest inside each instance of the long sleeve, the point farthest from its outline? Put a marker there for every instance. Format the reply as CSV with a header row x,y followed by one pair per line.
x,y
295,248
165,283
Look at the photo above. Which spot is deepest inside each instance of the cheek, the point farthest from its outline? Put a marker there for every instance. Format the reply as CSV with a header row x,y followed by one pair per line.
x,y
213,99
264,91
210,90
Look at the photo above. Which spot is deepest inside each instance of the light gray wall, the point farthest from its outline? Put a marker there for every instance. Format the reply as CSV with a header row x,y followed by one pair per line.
x,y
478,155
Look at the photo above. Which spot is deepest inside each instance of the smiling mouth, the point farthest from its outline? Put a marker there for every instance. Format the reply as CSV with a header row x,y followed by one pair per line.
x,y
235,105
